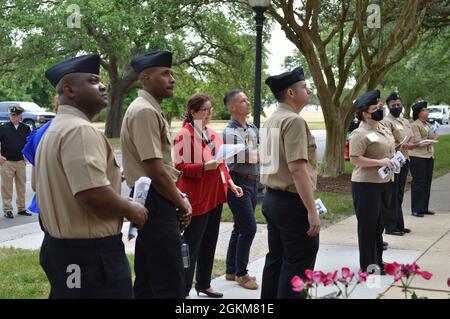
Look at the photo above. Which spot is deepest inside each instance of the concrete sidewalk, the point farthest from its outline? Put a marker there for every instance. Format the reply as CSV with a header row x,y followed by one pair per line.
x,y
428,244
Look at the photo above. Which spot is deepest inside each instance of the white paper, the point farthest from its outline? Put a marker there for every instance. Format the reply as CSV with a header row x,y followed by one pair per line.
x,y
227,151
427,142
373,137
403,141
320,207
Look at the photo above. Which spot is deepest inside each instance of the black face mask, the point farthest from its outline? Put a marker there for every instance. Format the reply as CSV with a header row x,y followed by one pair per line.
x,y
377,115
396,112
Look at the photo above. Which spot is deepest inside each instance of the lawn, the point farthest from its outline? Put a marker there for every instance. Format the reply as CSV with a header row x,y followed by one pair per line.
x,y
339,206
441,161
21,276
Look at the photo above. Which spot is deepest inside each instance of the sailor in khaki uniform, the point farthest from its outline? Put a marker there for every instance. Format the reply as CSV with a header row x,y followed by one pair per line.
x,y
78,191
401,130
422,161
293,223
146,149
371,147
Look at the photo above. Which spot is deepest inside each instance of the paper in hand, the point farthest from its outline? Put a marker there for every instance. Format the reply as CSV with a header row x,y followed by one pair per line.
x,y
226,151
427,142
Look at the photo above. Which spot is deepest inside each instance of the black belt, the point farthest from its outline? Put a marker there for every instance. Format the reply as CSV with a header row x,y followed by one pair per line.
x,y
247,176
283,193
97,242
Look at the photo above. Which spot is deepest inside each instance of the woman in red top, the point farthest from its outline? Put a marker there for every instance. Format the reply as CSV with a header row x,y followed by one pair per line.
x,y
205,181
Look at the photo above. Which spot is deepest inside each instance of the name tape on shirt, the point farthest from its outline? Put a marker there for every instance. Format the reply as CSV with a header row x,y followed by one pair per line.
x,y
373,137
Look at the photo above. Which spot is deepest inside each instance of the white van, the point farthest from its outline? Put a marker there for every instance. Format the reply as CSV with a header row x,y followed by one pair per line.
x,y
438,113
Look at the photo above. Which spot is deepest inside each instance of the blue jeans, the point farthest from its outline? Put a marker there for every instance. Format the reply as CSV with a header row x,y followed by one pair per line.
x,y
244,228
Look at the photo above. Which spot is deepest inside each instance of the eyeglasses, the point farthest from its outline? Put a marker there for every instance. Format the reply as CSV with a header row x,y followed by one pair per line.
x,y
208,109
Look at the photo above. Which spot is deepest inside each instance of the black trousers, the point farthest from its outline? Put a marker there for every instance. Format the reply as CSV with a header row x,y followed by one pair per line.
x,y
369,200
422,174
86,268
393,217
201,236
157,260
291,250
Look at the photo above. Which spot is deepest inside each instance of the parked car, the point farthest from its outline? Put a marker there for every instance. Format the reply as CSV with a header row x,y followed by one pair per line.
x,y
438,113
34,115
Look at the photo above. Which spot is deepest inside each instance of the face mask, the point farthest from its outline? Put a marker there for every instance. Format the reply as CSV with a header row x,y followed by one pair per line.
x,y
377,115
396,112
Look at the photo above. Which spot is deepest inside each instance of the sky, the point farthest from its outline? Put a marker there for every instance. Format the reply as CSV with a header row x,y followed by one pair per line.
x,y
279,47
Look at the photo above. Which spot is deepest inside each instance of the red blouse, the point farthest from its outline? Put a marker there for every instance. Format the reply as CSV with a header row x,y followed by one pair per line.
x,y
206,189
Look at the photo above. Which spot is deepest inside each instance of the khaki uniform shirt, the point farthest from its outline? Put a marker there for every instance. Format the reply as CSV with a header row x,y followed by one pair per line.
x,y
289,136
420,132
400,129
374,143
74,156
145,135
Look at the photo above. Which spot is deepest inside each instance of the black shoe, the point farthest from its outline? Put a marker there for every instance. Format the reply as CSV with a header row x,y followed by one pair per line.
x,y
428,213
406,230
24,213
380,271
9,215
395,233
209,293
417,214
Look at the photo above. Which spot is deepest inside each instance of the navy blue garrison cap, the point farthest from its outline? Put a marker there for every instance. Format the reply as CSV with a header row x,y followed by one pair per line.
x,y
158,58
392,97
416,107
278,83
81,64
368,98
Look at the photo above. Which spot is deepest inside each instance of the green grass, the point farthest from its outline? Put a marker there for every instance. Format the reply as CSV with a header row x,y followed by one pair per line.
x,y
441,161
442,158
338,205
115,143
21,276
316,125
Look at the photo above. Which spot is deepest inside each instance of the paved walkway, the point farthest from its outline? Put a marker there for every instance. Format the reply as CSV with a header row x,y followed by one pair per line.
x,y
428,244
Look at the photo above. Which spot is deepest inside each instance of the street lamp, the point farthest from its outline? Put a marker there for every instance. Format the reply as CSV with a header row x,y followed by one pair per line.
x,y
259,6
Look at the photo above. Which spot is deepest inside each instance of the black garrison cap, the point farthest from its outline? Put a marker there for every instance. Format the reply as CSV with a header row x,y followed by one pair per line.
x,y
416,107
81,64
158,58
368,98
278,83
392,97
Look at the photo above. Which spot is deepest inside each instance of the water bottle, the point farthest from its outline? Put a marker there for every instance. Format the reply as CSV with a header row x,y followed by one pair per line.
x,y
141,187
185,253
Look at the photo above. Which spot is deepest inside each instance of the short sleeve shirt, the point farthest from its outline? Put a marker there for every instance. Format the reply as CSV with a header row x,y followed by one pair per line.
x,y
145,135
234,133
74,156
400,129
421,132
373,143
286,138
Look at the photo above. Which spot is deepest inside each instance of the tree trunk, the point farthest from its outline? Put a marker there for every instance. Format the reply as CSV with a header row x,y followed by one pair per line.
x,y
115,111
333,160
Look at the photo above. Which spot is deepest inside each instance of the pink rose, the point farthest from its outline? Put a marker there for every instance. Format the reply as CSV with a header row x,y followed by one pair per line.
x,y
309,274
362,276
392,268
297,284
318,277
426,275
